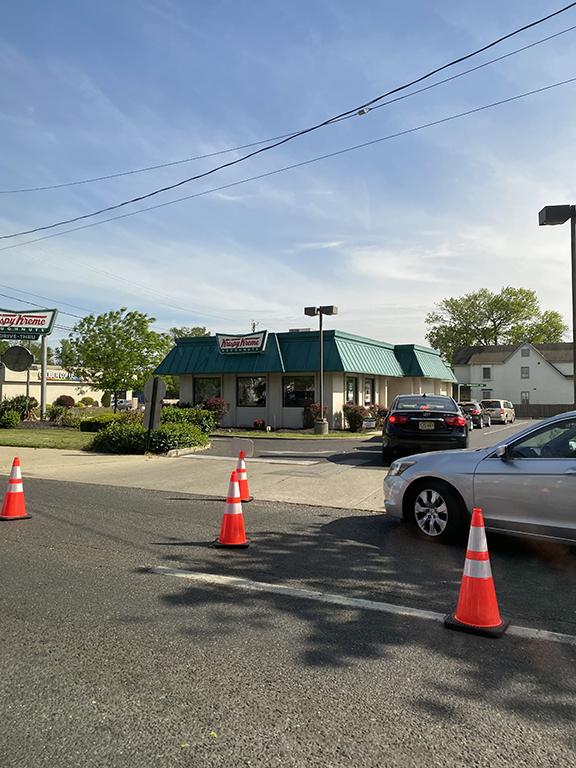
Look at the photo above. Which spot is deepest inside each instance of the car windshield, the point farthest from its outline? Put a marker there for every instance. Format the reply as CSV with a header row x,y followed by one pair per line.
x,y
425,404
491,403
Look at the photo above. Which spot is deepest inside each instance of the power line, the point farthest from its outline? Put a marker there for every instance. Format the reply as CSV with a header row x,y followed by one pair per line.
x,y
46,298
34,304
356,110
172,163
259,176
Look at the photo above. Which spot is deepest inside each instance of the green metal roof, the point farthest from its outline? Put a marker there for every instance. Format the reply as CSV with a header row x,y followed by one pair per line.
x,y
423,362
298,352
200,355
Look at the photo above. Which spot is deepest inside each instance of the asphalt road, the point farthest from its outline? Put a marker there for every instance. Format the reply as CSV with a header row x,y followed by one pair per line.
x,y
104,663
364,451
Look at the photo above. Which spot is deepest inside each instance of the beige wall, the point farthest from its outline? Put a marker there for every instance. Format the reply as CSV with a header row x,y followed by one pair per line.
x,y
13,383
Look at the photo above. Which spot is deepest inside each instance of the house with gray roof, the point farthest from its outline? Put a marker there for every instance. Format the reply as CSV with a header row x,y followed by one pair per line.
x,y
273,376
526,374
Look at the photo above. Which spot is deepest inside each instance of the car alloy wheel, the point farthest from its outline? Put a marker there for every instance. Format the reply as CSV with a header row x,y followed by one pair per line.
x,y
430,512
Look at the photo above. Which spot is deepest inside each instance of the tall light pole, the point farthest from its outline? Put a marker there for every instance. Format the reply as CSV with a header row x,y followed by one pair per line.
x,y
559,214
321,424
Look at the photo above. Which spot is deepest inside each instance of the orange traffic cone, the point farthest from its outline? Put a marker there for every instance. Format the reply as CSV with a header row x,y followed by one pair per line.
x,y
232,532
243,478
477,609
14,507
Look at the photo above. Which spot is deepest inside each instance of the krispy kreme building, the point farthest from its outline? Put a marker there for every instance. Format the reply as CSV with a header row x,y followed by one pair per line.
x,y
273,376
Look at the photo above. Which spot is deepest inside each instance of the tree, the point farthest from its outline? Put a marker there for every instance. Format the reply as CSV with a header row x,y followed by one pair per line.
x,y
114,351
194,330
483,318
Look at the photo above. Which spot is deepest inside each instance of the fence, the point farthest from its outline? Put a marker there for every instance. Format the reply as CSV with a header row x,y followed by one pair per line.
x,y
535,411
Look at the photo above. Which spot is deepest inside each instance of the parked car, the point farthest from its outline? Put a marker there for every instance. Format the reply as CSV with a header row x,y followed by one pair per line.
x,y
478,415
123,405
423,423
501,411
525,484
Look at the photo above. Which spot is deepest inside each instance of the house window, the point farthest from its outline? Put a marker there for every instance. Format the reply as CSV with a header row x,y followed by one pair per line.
x,y
205,388
351,389
525,398
486,394
525,351
368,391
525,372
298,391
487,373
251,391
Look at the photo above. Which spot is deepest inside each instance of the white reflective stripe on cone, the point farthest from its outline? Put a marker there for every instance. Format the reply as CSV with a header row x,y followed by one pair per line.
x,y
15,488
233,508
16,473
478,569
477,539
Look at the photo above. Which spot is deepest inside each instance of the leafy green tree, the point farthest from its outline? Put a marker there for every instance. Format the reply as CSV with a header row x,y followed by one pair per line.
x,y
193,330
483,318
114,351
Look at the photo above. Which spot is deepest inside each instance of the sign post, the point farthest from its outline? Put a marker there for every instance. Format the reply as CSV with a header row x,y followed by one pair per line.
x,y
154,392
30,325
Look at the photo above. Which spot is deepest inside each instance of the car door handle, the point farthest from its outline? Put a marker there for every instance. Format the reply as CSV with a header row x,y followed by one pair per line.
x,y
571,471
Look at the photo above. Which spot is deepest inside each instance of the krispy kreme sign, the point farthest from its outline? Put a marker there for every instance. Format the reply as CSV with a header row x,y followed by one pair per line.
x,y
16,324
251,342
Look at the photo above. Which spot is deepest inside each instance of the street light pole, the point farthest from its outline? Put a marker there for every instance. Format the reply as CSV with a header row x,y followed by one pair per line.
x,y
560,214
321,424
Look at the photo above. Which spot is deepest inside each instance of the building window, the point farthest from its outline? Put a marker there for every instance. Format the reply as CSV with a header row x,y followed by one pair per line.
x,y
251,391
486,394
205,388
525,398
525,372
525,351
487,373
368,391
351,389
298,391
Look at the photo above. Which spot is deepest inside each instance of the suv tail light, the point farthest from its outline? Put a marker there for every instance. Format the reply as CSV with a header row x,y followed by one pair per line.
x,y
475,413
455,421
398,418
501,411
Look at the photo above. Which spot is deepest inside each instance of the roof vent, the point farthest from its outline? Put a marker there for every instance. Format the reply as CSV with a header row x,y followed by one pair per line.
x,y
299,330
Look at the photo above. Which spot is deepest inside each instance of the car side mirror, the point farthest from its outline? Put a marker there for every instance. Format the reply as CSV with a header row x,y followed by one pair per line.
x,y
503,452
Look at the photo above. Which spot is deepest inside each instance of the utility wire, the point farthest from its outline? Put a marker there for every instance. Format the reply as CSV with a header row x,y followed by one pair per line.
x,y
134,171
46,298
359,109
288,168
34,304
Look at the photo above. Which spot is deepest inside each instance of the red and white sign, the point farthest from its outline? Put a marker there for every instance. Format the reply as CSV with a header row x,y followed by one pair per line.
x,y
252,342
26,322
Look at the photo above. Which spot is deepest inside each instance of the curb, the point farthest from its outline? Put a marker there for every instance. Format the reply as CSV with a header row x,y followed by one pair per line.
x,y
175,452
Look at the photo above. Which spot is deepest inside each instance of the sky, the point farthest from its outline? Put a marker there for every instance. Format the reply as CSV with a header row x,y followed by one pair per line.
x,y
385,232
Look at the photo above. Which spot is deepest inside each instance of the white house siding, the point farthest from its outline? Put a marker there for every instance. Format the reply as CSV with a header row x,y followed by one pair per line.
x,y
546,384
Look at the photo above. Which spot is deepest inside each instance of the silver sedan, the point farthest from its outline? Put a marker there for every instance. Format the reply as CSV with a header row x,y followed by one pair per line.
x,y
525,485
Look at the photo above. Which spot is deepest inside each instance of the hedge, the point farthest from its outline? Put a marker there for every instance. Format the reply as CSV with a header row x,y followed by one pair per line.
x,y
119,437
206,420
96,423
9,419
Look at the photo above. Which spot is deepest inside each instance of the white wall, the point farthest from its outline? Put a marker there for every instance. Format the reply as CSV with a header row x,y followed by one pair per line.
x,y
546,385
13,383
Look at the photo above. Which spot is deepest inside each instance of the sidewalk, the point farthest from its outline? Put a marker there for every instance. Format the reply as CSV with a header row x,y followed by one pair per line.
x,y
323,484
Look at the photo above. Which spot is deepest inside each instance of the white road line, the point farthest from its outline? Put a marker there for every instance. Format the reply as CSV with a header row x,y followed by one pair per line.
x,y
291,453
298,462
347,602
501,429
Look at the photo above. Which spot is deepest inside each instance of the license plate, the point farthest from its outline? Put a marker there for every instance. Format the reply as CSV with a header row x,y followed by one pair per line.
x,y
425,425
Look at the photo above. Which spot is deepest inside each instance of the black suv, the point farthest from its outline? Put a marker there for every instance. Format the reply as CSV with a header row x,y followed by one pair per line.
x,y
423,423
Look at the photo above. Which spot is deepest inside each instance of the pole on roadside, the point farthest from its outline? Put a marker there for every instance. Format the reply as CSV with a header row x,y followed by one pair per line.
x,y
43,376
321,368
573,254
153,399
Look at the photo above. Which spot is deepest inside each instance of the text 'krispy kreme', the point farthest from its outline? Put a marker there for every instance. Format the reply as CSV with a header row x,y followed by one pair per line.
x,y
254,342
18,320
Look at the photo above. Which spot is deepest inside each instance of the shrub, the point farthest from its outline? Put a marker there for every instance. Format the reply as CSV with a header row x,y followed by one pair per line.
x,y
106,399
311,414
131,417
87,400
68,419
66,401
259,424
171,436
354,415
217,405
20,404
120,437
199,417
96,423
9,419
378,412
54,411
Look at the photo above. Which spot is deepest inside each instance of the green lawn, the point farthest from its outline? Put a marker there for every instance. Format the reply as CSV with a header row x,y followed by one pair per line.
x,y
48,437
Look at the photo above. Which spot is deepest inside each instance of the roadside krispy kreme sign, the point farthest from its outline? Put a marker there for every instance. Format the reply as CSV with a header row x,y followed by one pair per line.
x,y
26,322
252,342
